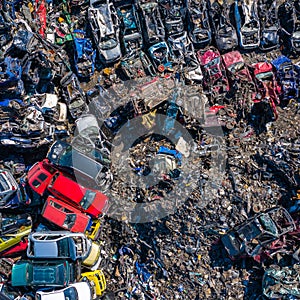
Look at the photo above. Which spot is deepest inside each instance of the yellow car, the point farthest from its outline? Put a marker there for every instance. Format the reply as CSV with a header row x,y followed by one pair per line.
x,y
9,240
94,230
97,279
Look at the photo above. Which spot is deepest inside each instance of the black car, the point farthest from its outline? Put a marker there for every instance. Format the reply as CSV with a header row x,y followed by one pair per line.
x,y
250,237
198,23
152,26
87,167
222,26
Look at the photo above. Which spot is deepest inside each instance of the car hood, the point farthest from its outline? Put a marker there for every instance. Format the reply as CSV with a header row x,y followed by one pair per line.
x,y
19,274
92,261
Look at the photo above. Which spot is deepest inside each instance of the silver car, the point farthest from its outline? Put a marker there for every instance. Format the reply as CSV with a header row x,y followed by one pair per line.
x,y
64,245
104,23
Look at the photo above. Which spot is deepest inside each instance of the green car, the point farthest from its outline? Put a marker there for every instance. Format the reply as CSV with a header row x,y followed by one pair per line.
x,y
56,273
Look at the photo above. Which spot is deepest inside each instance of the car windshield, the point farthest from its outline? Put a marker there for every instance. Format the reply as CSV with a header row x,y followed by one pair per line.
x,y
234,68
61,273
264,76
63,248
76,103
108,42
249,231
71,293
65,159
42,177
88,199
70,220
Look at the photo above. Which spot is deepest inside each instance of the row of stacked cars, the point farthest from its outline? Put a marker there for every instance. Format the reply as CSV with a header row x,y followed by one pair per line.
x,y
154,37
50,226
169,32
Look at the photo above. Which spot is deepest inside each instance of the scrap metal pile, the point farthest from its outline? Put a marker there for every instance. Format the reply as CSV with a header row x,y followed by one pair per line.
x,y
149,149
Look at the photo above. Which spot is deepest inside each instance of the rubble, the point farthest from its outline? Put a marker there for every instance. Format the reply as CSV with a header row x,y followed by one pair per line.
x,y
177,125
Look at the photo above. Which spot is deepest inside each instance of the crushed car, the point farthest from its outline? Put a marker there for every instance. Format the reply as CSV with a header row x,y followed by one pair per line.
x,y
137,65
152,25
64,215
36,273
79,290
267,90
97,278
288,75
269,24
10,240
43,176
105,27
73,95
64,245
183,54
89,167
224,33
251,237
161,57
84,54
281,282
11,223
12,194
215,80
173,17
247,24
198,24
289,19
131,34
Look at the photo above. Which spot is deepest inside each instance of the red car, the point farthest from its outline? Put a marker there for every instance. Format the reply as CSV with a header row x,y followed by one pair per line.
x,y
16,250
236,67
214,74
40,175
43,176
267,88
65,215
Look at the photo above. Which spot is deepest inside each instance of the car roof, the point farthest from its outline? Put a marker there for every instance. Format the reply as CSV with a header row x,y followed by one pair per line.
x,y
80,163
44,249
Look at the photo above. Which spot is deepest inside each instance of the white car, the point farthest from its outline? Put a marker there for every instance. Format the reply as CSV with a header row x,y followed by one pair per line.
x,y
104,23
75,291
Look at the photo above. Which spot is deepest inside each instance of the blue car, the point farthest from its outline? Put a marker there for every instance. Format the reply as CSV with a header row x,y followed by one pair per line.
x,y
131,37
160,56
11,84
84,56
288,76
